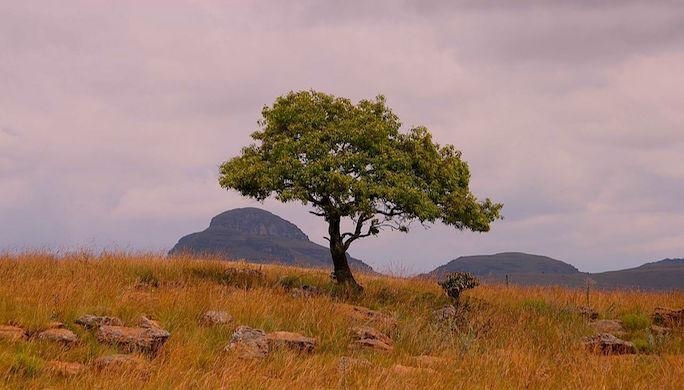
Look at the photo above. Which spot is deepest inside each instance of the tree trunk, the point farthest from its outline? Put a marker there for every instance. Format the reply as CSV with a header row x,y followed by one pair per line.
x,y
342,272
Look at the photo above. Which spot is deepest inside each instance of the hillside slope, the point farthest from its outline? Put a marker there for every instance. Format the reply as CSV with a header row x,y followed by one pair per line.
x,y
258,236
660,275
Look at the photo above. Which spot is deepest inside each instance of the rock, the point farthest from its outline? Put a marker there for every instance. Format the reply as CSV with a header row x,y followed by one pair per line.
x,y
89,321
291,340
445,314
213,318
428,361
12,333
248,343
347,364
668,317
587,312
64,368
148,323
369,316
608,344
613,327
660,330
407,370
365,336
148,340
126,361
55,325
60,335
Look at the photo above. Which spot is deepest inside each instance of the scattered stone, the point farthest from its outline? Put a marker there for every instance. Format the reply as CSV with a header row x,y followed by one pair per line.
x,y
64,368
119,361
347,364
445,314
148,323
248,343
55,325
668,317
148,340
12,333
428,361
367,315
291,340
365,336
407,370
305,291
60,335
587,312
608,344
660,330
213,318
89,321
613,327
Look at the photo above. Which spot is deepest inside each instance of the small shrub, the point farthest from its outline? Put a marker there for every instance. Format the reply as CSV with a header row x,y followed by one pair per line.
x,y
457,282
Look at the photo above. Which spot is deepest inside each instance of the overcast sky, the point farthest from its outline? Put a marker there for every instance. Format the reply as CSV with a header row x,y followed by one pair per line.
x,y
114,117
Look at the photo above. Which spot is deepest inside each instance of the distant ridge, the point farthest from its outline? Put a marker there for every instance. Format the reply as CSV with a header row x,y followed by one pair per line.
x,y
528,269
258,236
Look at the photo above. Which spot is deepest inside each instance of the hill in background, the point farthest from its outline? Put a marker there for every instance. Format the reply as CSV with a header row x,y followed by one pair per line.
x,y
258,236
527,269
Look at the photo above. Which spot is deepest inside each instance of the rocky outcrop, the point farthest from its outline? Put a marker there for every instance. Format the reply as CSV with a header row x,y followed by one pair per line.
x,y
148,340
613,327
120,361
248,343
608,344
668,317
59,335
587,313
290,340
90,321
214,318
367,337
12,333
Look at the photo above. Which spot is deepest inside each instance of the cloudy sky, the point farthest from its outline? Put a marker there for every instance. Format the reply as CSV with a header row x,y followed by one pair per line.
x,y
114,117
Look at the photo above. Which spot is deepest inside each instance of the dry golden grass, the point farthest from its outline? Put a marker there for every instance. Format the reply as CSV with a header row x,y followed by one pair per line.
x,y
508,338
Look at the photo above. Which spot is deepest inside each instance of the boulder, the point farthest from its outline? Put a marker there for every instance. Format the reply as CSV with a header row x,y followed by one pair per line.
x,y
587,312
60,335
608,344
248,343
291,340
367,315
64,368
347,364
12,333
89,321
668,317
148,340
365,336
148,323
55,325
213,318
613,327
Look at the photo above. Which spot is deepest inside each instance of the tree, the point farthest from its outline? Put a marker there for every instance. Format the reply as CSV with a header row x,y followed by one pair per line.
x,y
351,163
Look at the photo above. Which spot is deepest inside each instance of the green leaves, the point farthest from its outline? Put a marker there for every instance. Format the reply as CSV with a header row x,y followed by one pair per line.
x,y
350,161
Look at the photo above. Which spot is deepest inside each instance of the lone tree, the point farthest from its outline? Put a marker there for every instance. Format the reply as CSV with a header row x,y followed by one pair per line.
x,y
349,162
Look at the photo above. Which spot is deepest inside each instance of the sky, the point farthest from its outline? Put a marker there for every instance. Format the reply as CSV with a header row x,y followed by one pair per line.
x,y
114,117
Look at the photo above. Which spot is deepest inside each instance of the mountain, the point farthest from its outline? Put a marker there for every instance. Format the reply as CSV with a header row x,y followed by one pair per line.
x,y
258,236
527,269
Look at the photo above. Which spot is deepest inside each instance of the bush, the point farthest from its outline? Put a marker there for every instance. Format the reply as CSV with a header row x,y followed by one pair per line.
x,y
633,322
457,282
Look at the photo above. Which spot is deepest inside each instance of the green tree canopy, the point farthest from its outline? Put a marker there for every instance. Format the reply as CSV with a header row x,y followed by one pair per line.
x,y
350,161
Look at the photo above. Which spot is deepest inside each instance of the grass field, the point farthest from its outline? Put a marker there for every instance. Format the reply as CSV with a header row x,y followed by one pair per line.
x,y
506,337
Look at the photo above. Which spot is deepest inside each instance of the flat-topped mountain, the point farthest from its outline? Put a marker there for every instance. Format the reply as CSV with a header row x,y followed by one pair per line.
x,y
258,236
505,263
527,269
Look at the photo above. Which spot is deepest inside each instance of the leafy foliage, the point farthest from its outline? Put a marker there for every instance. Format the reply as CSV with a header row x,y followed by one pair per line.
x,y
457,282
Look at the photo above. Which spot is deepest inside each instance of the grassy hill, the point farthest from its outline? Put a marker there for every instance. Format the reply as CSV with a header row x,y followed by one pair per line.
x,y
517,337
